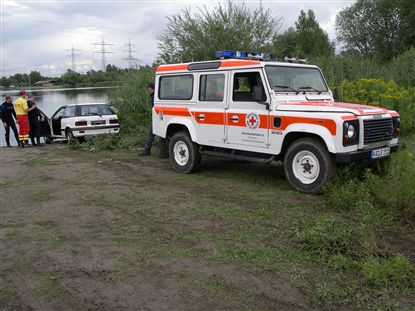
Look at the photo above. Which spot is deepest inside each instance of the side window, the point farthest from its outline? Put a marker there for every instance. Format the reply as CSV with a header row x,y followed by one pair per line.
x,y
243,86
176,87
69,112
212,87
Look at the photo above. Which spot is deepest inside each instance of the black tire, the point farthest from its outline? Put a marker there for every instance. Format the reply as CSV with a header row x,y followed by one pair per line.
x,y
181,146
48,140
313,167
69,136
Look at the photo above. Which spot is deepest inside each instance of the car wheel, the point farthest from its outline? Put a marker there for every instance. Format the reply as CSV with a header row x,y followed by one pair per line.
x,y
184,154
308,165
48,139
69,136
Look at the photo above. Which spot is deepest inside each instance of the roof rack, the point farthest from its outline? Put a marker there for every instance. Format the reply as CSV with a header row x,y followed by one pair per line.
x,y
244,55
295,60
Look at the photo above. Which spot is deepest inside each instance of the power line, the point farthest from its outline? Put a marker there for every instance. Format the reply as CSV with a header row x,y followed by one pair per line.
x,y
130,57
73,56
103,53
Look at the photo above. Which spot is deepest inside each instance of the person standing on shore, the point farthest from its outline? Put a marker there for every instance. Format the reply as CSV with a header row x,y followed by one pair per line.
x,y
150,135
8,115
21,108
34,124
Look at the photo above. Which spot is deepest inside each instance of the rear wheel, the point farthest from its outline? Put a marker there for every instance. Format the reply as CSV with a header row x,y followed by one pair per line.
x,y
69,136
308,165
184,154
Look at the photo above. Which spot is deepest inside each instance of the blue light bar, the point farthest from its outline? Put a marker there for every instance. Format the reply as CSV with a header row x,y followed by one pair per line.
x,y
244,55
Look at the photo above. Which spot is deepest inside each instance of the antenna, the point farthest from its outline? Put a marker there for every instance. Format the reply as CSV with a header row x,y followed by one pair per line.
x,y
73,56
103,53
130,57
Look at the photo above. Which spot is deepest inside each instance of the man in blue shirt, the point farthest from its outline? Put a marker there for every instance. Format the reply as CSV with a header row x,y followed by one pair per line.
x,y
150,135
8,115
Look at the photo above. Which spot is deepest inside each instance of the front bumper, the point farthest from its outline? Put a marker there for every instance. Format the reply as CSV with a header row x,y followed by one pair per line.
x,y
349,157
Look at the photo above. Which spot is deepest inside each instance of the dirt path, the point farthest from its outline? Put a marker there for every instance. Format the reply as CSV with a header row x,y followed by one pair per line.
x,y
81,231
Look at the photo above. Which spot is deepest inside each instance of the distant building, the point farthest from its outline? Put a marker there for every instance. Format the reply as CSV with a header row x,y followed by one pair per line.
x,y
45,83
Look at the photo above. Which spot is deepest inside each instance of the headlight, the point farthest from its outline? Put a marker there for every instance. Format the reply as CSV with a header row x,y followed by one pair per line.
x,y
351,131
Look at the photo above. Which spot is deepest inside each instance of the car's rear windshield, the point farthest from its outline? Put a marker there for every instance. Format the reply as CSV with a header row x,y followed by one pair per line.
x,y
295,79
102,110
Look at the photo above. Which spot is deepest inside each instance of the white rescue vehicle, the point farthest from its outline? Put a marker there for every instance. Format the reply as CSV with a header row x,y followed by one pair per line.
x,y
242,107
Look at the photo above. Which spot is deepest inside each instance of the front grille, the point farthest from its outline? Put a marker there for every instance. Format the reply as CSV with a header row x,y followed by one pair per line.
x,y
377,130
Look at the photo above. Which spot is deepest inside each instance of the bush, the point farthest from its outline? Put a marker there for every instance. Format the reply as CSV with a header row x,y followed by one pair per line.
x,y
351,65
329,235
132,100
377,92
395,272
392,192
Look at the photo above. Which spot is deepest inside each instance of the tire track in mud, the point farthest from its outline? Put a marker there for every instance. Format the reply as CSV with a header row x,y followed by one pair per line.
x,y
26,293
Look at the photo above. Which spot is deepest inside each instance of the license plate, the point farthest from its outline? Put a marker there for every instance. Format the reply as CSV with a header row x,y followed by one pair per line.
x,y
380,153
98,122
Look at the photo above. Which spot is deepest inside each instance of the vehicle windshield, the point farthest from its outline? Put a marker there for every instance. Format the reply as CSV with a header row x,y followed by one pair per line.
x,y
295,79
100,110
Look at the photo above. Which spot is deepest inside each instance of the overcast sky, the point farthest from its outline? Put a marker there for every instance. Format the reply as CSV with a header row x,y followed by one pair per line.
x,y
34,34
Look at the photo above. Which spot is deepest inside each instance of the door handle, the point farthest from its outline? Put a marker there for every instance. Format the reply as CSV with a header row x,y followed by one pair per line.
x,y
234,118
201,117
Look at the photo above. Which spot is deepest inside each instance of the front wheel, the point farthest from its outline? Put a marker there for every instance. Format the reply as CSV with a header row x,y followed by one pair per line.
x,y
183,153
308,165
48,139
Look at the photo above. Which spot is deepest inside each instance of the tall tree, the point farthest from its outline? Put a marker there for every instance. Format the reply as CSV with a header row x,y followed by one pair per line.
x,y
196,36
380,28
311,39
286,44
306,40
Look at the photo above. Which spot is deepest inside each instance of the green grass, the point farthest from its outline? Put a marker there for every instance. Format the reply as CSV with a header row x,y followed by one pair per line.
x,y
38,197
47,286
41,161
5,287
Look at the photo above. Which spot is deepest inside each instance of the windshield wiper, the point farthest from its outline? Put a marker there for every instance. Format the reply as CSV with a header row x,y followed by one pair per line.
x,y
285,87
309,88
95,114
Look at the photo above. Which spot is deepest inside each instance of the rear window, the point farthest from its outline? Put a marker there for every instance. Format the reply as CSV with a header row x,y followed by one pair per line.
x,y
176,87
90,110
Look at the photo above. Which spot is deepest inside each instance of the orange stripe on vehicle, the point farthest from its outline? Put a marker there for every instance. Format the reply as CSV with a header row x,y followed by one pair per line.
x,y
170,111
163,68
212,118
237,63
346,118
327,123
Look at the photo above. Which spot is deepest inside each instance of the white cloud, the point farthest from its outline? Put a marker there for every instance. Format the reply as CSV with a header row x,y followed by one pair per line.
x,y
35,34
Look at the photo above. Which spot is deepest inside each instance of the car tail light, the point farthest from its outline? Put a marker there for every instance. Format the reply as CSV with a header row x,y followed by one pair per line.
x,y
114,121
80,123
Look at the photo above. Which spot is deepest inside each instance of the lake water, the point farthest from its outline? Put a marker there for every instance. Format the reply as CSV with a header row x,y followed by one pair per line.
x,y
49,100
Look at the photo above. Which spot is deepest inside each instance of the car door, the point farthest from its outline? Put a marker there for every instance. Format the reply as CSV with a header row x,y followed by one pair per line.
x,y
45,124
56,121
247,118
209,111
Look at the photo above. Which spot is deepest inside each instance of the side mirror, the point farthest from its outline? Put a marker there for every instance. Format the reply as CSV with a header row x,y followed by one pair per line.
x,y
257,93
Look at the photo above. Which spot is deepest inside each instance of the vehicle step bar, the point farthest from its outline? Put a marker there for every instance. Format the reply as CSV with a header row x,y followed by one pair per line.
x,y
234,156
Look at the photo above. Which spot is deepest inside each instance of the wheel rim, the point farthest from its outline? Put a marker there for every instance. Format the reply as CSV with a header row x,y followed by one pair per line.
x,y
69,135
181,153
306,167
